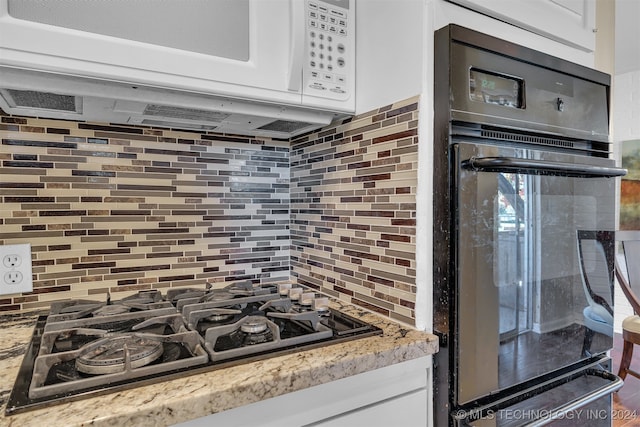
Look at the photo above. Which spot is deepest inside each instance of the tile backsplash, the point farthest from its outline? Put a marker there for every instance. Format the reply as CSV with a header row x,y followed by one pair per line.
x,y
116,208
353,210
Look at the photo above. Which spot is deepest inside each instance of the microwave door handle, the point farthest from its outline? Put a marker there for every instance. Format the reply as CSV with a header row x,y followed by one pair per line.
x,y
297,22
540,167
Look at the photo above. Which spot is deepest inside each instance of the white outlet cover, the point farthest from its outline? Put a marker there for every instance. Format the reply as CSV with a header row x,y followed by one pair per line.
x,y
15,269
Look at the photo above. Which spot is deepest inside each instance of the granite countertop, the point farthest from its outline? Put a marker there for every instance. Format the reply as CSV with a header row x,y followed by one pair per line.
x,y
195,396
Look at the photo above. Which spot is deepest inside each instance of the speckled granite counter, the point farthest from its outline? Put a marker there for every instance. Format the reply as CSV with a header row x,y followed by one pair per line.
x,y
195,396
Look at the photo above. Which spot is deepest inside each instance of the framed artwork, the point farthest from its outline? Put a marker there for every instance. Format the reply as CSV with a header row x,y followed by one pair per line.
x,y
630,186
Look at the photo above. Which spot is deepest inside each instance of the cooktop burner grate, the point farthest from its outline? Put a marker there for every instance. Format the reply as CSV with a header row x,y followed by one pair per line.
x,y
112,347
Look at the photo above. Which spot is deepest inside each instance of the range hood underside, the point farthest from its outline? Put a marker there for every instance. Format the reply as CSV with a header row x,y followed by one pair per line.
x,y
49,95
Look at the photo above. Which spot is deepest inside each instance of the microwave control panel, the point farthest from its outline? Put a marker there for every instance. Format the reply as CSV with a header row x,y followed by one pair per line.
x,y
329,70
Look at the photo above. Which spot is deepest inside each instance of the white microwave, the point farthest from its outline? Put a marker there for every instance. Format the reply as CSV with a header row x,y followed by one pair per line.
x,y
229,65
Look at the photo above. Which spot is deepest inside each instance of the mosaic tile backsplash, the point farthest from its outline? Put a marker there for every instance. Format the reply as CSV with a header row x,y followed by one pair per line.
x,y
115,208
353,210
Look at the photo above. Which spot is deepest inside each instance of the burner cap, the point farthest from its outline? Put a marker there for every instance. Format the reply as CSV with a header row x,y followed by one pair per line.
x,y
110,310
108,355
254,325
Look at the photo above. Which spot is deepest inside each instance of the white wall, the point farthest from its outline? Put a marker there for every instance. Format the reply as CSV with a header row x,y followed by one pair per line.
x,y
626,126
626,106
625,101
627,34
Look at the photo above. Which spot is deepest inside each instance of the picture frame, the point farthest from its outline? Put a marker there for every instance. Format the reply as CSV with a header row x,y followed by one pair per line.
x,y
630,186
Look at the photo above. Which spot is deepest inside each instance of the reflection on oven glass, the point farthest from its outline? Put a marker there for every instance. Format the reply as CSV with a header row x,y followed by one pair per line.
x,y
531,276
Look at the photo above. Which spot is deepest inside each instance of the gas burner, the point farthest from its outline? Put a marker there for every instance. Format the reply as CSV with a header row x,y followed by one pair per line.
x,y
118,353
253,330
257,338
254,325
110,310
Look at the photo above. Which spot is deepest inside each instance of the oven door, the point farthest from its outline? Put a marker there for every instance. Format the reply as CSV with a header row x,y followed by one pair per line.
x,y
534,248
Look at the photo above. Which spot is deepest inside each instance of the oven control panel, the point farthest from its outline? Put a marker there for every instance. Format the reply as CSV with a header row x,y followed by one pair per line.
x,y
499,90
495,88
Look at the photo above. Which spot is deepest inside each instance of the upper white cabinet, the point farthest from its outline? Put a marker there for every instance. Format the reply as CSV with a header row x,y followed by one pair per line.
x,y
389,52
571,22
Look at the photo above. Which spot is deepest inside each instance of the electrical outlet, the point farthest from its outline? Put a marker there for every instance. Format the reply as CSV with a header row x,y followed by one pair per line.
x,y
13,277
11,261
15,269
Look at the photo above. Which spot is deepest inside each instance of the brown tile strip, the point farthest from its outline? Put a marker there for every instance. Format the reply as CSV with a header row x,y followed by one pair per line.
x,y
28,143
110,128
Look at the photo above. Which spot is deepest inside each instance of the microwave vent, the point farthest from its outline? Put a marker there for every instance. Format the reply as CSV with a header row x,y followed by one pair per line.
x,y
177,125
285,126
40,100
184,113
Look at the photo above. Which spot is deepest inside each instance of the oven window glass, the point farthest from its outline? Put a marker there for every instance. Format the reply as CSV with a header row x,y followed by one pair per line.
x,y
510,267
521,269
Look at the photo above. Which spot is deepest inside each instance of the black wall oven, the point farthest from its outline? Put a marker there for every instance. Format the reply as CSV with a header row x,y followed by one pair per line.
x,y
523,235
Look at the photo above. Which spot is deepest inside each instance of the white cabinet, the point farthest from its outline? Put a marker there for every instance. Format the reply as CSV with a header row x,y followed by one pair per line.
x,y
571,22
389,52
408,410
399,394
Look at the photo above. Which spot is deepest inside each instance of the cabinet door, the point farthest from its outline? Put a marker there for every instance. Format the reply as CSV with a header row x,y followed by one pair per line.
x,y
396,395
571,22
409,410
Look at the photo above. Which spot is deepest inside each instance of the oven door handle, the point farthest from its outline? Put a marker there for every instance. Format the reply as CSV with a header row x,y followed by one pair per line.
x,y
463,416
540,167
615,385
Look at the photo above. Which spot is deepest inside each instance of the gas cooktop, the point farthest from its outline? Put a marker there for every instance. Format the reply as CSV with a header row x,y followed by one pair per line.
x,y
84,348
